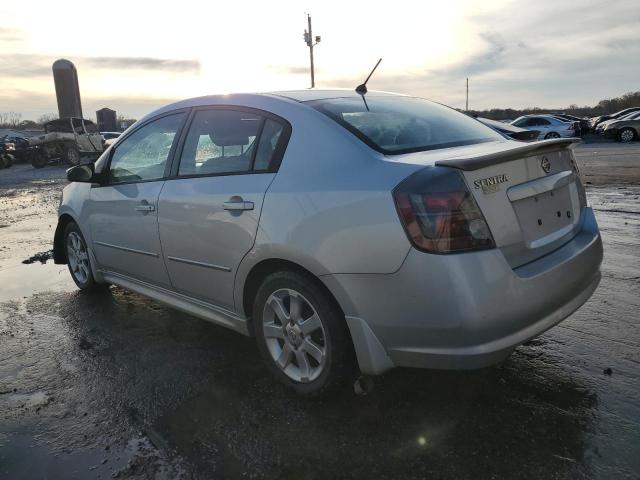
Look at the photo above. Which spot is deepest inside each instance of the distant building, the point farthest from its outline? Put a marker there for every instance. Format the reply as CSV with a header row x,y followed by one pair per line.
x,y
106,120
65,78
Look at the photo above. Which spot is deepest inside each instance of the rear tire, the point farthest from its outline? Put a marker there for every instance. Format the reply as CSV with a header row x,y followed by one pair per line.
x,y
71,155
4,162
626,135
302,334
77,254
551,135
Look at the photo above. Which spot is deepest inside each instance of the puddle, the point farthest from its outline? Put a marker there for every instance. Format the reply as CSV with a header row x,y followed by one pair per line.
x,y
97,462
23,280
41,257
28,400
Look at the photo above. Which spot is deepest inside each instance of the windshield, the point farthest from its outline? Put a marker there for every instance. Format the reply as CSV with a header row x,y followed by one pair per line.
x,y
396,125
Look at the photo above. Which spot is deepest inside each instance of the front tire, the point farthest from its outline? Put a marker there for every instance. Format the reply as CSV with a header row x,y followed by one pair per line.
x,y
78,261
626,135
38,160
302,334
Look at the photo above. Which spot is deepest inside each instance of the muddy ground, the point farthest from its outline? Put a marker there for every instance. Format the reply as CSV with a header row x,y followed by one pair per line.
x,y
115,385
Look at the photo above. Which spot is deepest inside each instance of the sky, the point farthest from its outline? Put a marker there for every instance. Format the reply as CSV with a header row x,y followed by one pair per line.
x,y
134,56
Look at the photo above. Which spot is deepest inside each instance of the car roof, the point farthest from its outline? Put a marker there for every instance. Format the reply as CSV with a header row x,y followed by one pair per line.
x,y
297,96
312,94
544,115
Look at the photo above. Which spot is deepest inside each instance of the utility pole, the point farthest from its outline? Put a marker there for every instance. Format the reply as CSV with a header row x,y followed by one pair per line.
x,y
467,104
309,40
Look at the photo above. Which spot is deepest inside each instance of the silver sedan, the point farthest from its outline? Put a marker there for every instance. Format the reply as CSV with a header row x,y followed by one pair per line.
x,y
345,231
548,126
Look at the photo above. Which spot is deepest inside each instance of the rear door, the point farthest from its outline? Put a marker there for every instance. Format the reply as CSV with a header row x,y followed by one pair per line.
x,y
210,208
123,213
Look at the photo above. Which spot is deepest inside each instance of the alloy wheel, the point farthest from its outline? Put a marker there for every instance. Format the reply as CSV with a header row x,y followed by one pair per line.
x,y
73,156
626,135
294,335
78,257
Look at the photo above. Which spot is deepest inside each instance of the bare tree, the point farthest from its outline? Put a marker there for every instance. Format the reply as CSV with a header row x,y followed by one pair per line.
x,y
13,119
47,117
9,119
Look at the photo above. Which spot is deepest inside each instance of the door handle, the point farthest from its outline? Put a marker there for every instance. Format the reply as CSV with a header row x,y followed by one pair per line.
x,y
237,204
145,208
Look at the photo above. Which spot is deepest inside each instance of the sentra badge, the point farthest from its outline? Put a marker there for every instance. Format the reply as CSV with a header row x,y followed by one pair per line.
x,y
490,184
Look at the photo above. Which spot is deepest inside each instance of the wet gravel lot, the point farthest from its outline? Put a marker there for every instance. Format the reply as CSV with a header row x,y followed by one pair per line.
x,y
114,385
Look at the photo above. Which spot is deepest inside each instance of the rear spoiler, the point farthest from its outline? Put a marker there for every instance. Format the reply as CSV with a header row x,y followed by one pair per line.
x,y
526,150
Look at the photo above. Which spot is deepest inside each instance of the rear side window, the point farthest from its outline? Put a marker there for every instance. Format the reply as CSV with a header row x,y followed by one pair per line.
x,y
396,125
268,144
222,141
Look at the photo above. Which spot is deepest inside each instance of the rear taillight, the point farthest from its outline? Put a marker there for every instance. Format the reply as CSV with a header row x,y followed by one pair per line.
x,y
439,212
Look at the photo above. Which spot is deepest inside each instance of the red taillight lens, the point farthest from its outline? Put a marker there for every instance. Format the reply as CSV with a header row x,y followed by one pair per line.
x,y
439,213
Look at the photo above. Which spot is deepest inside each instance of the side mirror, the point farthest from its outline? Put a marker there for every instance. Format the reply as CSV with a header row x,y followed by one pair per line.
x,y
81,173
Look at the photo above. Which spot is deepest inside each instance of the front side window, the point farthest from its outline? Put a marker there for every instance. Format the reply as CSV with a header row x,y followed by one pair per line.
x,y
220,141
396,125
143,155
543,121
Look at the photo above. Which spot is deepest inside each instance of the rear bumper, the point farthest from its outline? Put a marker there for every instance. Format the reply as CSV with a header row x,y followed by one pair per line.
x,y
467,310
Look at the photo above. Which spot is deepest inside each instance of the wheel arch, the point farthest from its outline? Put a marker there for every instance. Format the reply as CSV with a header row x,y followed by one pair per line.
x,y
59,254
371,356
264,268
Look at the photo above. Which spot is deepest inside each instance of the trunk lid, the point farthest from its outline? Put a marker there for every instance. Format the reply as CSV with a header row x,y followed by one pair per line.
x,y
530,194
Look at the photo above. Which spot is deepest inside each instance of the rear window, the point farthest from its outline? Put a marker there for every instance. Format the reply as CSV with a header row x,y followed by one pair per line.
x,y
396,125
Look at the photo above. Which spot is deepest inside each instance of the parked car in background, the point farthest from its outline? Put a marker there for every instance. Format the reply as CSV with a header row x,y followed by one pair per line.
x,y
602,125
596,120
336,228
511,131
110,135
548,126
20,145
583,122
66,140
625,129
7,150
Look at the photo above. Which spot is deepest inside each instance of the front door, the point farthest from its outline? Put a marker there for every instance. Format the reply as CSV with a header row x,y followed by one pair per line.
x,y
123,213
208,214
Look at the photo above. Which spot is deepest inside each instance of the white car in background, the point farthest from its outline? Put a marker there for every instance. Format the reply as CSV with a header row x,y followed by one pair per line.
x,y
548,126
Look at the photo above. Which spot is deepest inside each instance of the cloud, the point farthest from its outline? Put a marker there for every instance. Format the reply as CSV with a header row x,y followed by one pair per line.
x,y
535,55
21,65
11,35
143,63
292,69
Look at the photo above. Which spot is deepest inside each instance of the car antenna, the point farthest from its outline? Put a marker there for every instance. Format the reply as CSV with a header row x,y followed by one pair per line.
x,y
362,88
